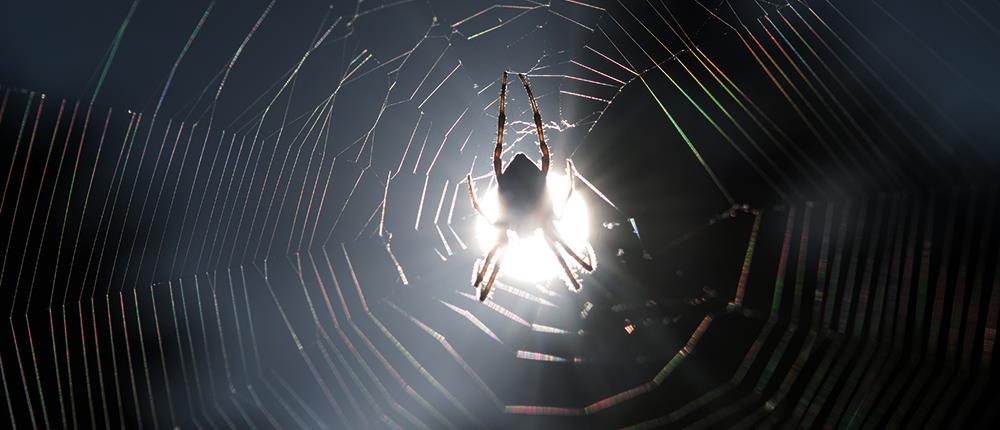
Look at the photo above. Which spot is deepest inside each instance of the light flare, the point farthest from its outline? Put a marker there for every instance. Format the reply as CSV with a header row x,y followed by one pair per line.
x,y
529,258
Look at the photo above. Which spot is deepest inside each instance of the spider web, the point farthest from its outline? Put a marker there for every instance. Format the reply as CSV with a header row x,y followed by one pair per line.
x,y
285,240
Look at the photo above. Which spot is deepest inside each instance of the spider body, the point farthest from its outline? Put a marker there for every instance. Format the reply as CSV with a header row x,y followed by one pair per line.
x,y
525,203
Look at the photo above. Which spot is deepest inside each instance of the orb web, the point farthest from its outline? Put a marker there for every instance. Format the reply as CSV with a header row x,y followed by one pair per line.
x,y
288,242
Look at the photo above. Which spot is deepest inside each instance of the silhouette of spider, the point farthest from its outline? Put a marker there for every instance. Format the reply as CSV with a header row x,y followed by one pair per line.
x,y
525,203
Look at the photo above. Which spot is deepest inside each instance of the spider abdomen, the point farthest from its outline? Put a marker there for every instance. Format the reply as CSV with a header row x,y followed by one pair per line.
x,y
525,204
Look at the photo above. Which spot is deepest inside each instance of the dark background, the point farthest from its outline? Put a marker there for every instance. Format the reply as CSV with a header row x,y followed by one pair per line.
x,y
885,114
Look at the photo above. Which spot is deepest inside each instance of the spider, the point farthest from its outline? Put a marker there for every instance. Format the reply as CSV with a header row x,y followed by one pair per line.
x,y
525,203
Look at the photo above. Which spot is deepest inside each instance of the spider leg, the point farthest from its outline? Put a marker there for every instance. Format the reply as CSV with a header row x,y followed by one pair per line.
x,y
493,277
486,265
538,125
571,176
562,262
551,233
501,241
475,200
501,121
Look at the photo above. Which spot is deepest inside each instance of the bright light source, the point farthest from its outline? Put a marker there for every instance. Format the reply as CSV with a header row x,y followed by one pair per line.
x,y
529,258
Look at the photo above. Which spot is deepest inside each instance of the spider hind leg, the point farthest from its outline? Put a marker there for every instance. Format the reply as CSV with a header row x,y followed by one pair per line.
x,y
485,291
552,235
562,262
486,266
500,243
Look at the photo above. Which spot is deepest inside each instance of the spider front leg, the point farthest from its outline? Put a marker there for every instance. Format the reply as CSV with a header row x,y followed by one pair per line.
x,y
501,122
544,148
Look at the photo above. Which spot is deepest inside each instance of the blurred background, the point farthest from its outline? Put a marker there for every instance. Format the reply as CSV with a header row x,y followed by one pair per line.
x,y
254,214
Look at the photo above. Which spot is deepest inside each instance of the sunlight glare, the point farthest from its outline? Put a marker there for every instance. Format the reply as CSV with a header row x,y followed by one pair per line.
x,y
529,258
